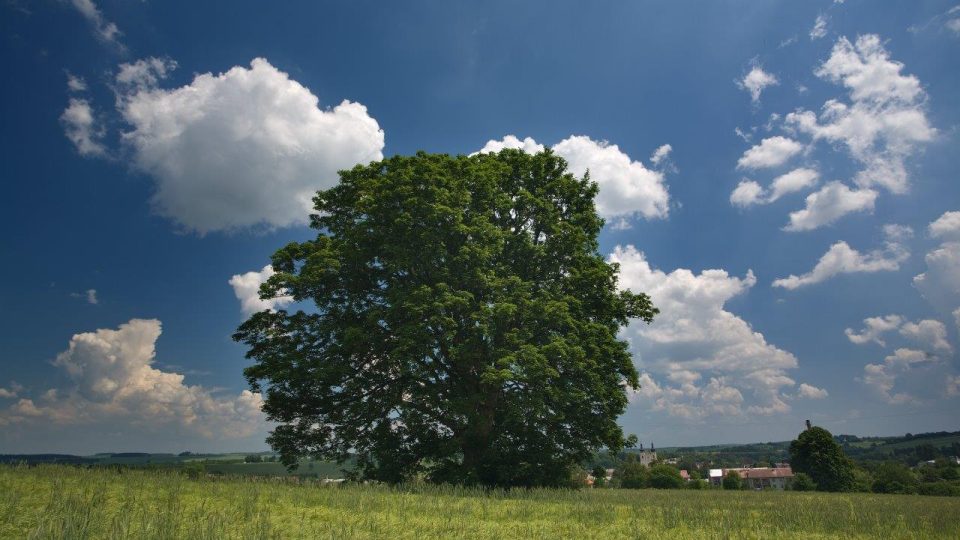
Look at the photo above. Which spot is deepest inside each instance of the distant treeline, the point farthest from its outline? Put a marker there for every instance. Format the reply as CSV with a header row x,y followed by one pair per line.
x,y
34,459
908,449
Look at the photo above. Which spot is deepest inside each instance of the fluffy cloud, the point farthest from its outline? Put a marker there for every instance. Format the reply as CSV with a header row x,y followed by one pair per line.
x,y
903,363
247,289
953,381
82,128
918,370
661,154
771,152
143,74
874,328
811,392
244,148
11,392
75,83
627,187
748,192
103,29
819,27
828,204
946,226
953,25
114,385
842,259
695,339
885,120
791,182
940,283
528,145
929,334
755,81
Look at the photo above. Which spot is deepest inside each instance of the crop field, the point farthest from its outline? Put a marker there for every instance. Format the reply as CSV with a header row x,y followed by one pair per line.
x,y
65,502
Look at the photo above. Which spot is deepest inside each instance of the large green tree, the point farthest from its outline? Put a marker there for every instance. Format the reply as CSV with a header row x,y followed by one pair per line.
x,y
815,453
459,324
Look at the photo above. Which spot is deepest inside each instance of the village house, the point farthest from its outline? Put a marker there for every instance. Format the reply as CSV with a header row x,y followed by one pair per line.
x,y
778,478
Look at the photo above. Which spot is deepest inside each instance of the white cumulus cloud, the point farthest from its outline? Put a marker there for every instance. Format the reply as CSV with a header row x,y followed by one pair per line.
x,y
874,328
771,152
75,83
911,364
748,192
946,226
842,259
248,147
661,154
528,145
755,81
114,385
885,119
928,333
103,29
831,202
246,287
811,392
82,128
697,359
627,187
940,283
819,27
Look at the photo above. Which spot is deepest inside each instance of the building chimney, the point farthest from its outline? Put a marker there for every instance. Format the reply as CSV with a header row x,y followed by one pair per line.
x,y
808,424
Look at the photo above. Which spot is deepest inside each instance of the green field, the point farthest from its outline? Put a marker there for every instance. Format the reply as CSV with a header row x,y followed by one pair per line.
x,y
66,502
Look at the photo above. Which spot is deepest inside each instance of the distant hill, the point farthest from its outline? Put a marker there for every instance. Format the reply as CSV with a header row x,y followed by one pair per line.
x,y
908,448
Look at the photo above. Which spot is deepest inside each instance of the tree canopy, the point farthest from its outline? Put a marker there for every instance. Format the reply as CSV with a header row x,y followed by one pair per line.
x,y
815,453
458,323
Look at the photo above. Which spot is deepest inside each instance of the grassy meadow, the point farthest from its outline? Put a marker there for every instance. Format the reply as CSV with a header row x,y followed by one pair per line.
x,y
54,501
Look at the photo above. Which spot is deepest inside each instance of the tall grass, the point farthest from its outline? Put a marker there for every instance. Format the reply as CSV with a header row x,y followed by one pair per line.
x,y
66,502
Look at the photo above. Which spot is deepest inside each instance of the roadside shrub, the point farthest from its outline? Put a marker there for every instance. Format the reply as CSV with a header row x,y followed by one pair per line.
x,y
862,481
803,482
193,469
665,477
731,480
891,477
942,489
634,475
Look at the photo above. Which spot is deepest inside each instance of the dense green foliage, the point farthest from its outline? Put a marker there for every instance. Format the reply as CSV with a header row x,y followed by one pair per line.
x,y
463,328
67,502
664,476
815,453
732,480
803,482
907,449
894,478
631,474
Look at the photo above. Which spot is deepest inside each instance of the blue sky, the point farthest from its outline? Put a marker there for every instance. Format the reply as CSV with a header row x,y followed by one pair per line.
x,y
158,153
